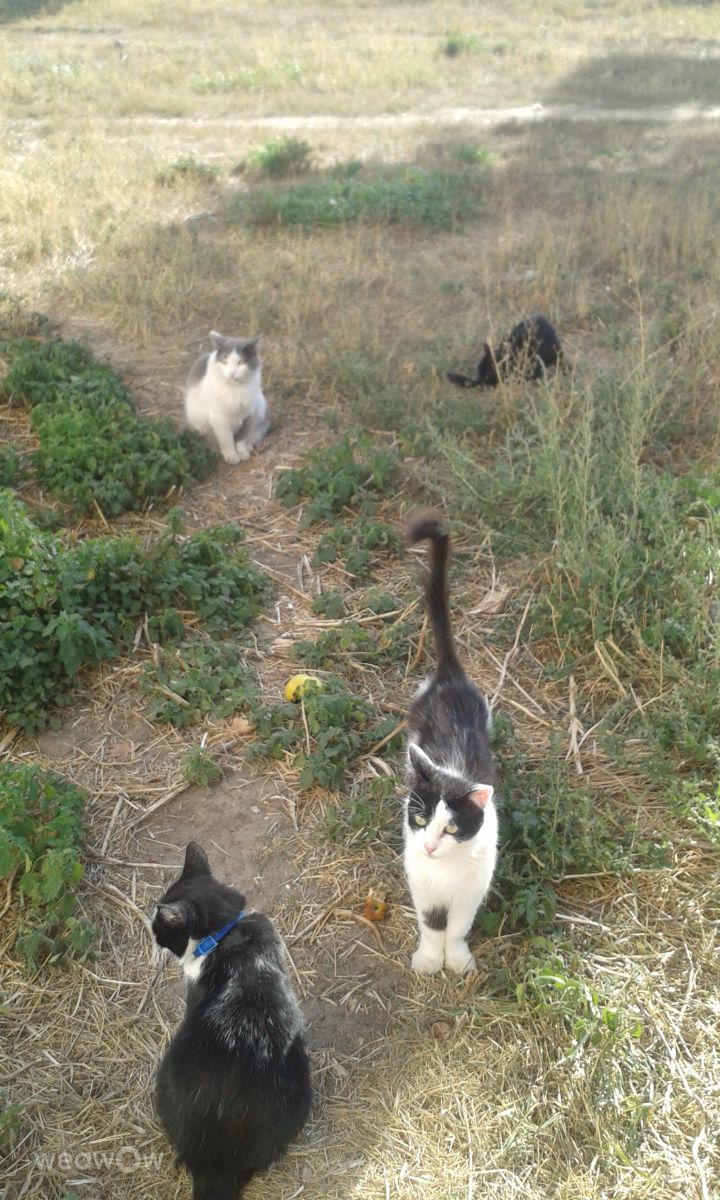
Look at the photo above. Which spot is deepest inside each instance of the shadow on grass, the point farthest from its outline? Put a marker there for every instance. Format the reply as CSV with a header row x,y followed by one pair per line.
x,y
21,10
624,80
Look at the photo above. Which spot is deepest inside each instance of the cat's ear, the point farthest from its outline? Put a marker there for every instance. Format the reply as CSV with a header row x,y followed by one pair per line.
x,y
254,343
481,795
217,339
196,862
488,349
421,762
172,914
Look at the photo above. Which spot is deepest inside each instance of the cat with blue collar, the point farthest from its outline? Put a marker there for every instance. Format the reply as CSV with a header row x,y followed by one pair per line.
x,y
233,1087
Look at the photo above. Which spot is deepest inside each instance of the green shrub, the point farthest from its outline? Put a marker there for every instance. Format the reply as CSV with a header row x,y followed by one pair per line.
x,y
368,814
200,768
343,644
329,605
351,472
552,825
397,196
63,608
357,545
340,726
197,680
460,43
280,158
95,450
185,168
40,842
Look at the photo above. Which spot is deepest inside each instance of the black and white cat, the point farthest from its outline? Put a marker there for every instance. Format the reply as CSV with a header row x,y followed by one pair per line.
x,y
450,826
233,1087
224,396
530,350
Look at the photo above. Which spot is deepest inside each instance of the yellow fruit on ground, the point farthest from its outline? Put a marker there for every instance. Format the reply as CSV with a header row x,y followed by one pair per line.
x,y
299,685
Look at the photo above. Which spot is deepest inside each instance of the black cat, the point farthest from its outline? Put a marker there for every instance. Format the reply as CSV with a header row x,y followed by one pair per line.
x,y
530,350
233,1087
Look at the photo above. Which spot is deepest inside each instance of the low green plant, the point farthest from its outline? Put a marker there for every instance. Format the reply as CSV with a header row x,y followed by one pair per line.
x,y
95,451
382,603
470,154
41,835
323,735
281,157
552,825
197,680
352,642
699,804
188,169
200,768
349,473
406,196
329,605
357,546
460,43
369,813
64,607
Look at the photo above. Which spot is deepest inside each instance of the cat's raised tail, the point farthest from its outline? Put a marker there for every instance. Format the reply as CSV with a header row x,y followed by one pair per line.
x,y
427,525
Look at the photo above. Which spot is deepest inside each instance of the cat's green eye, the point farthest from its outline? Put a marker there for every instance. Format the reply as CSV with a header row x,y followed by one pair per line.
x,y
419,819
451,827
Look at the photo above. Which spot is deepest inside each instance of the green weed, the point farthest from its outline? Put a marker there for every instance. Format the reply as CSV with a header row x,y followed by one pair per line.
x,y
95,451
368,814
200,768
340,727
329,605
349,473
64,608
351,642
40,845
551,826
186,168
460,43
399,196
197,680
281,157
357,546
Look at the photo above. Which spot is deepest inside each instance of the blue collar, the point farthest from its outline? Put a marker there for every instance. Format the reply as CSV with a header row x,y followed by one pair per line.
x,y
210,942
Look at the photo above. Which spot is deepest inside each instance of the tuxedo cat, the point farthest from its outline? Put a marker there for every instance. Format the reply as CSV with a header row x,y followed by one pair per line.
x,y
223,396
530,350
233,1087
450,828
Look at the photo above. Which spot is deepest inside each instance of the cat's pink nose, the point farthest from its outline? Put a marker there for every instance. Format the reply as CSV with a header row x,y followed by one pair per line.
x,y
430,849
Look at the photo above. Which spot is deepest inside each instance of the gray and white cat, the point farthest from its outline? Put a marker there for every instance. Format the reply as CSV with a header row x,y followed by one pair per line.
x,y
224,397
450,826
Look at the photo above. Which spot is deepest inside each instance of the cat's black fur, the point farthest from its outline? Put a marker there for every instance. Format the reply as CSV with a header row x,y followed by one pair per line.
x,y
233,1087
449,720
531,349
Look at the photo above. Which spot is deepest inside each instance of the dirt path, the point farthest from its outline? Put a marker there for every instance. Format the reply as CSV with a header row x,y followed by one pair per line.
x,y
527,114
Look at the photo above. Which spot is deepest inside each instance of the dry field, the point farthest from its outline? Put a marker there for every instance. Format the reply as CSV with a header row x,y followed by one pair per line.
x,y
582,1061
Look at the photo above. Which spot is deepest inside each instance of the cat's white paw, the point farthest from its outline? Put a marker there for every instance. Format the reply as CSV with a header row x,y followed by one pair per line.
x,y
460,960
425,964
242,451
233,458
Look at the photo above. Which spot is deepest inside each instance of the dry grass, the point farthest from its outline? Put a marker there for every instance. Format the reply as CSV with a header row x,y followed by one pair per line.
x,y
502,1085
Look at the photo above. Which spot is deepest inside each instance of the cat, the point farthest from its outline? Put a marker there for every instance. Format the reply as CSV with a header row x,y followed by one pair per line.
x,y
233,1087
223,396
450,826
530,350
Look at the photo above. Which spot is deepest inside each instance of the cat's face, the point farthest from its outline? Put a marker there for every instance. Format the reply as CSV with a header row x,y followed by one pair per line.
x,y
237,358
195,905
443,811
